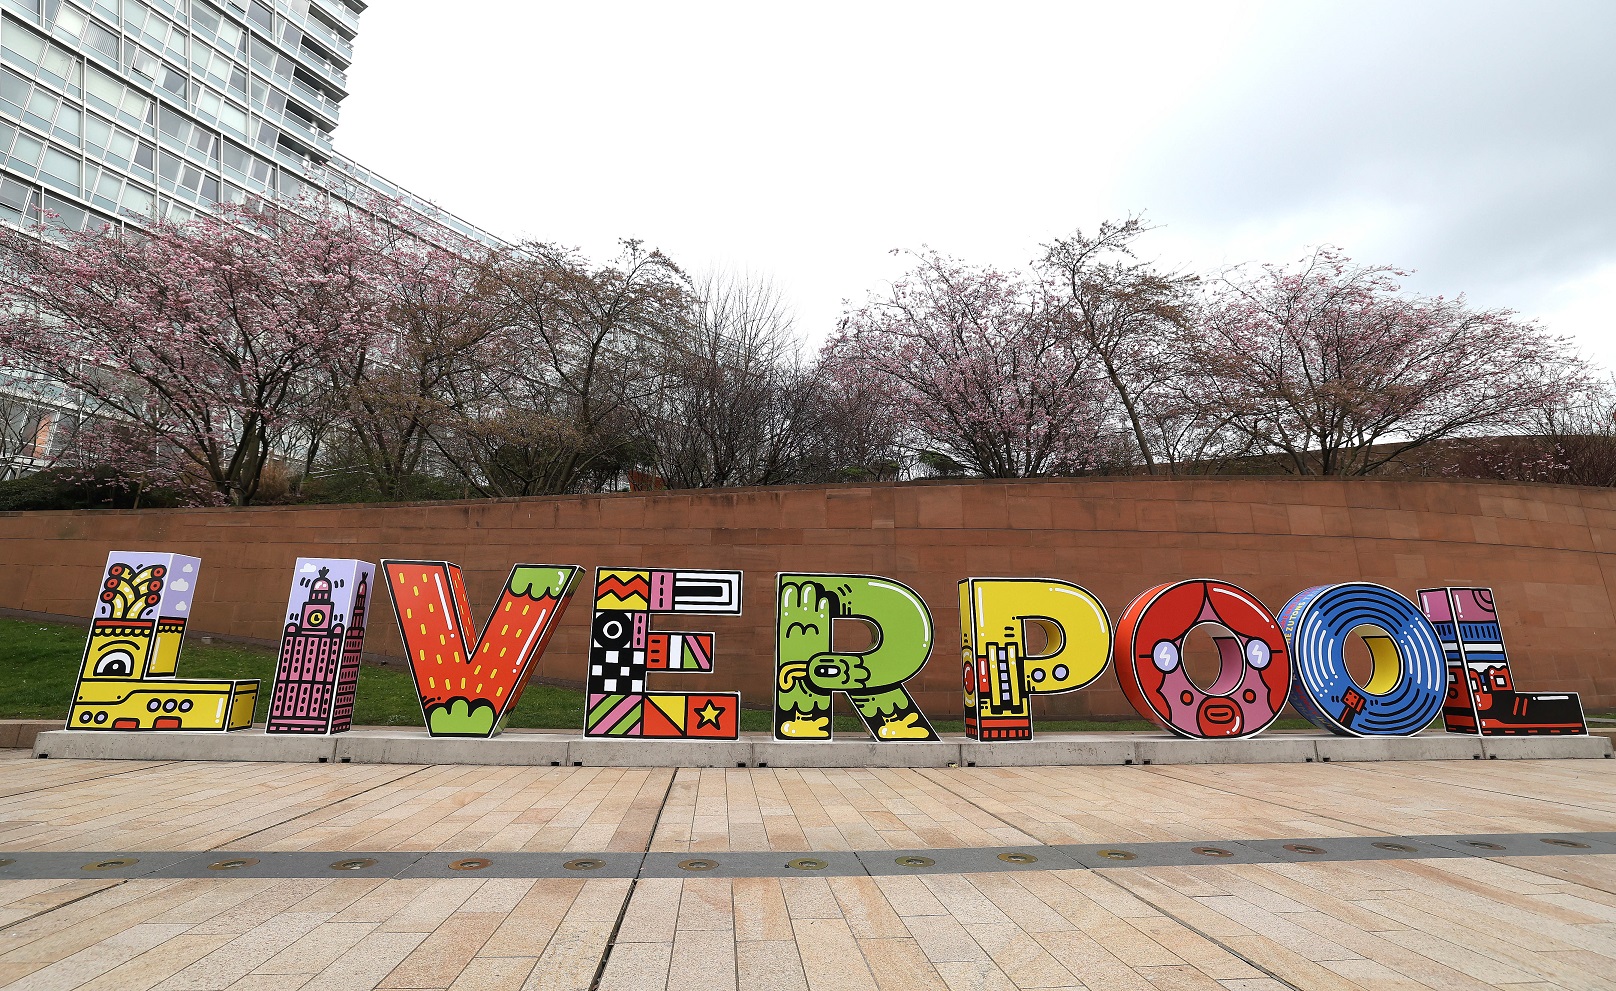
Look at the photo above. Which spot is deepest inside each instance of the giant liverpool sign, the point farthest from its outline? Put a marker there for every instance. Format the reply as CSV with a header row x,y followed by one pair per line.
x,y
1443,653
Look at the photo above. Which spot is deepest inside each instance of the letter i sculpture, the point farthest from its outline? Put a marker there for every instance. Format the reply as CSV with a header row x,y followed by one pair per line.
x,y
318,672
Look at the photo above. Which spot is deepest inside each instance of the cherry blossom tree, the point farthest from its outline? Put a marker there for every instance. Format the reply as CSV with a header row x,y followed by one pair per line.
x,y
859,433
973,358
204,339
1131,318
1334,367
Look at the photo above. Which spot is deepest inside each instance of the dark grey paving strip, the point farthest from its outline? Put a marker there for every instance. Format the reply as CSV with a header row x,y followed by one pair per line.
x,y
1105,855
1523,844
753,863
833,863
286,864
1347,848
983,860
525,865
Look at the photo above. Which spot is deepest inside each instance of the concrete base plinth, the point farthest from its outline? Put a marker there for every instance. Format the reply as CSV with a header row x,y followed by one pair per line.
x,y
1425,746
659,753
401,746
1064,748
413,746
1544,747
1277,749
854,752
247,745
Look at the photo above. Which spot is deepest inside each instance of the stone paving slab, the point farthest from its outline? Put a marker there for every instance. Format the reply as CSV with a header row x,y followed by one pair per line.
x,y
1442,916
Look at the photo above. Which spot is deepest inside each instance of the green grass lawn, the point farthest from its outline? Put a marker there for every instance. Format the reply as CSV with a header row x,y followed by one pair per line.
x,y
43,658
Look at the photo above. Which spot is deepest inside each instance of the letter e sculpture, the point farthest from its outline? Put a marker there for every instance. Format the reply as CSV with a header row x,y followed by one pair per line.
x,y
623,651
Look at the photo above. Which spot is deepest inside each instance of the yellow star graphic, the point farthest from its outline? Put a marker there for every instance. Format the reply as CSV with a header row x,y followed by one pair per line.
x,y
709,714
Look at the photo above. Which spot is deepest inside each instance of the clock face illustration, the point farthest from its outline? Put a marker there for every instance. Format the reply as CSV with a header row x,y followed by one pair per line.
x,y
316,618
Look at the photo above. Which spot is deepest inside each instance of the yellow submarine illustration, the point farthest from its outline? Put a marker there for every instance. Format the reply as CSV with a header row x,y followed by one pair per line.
x,y
127,681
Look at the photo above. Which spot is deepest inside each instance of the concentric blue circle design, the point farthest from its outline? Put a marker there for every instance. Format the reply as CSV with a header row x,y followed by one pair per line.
x,y
1318,621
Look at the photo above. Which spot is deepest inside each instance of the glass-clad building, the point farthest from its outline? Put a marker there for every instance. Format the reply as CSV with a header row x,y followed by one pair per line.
x,y
119,110
124,110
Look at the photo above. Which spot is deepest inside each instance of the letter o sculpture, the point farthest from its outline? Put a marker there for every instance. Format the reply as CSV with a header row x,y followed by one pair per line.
x,y
1408,679
1254,673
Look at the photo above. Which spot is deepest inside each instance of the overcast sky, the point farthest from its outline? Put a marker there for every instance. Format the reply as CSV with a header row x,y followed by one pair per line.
x,y
1472,141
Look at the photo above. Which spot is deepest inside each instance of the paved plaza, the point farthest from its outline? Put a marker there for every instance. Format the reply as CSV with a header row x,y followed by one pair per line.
x,y
1402,874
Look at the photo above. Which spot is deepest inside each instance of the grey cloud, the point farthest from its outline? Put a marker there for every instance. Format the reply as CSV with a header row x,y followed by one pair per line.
x,y
1486,128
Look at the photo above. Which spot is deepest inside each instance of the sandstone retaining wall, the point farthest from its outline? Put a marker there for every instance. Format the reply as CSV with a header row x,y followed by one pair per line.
x,y
1548,551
